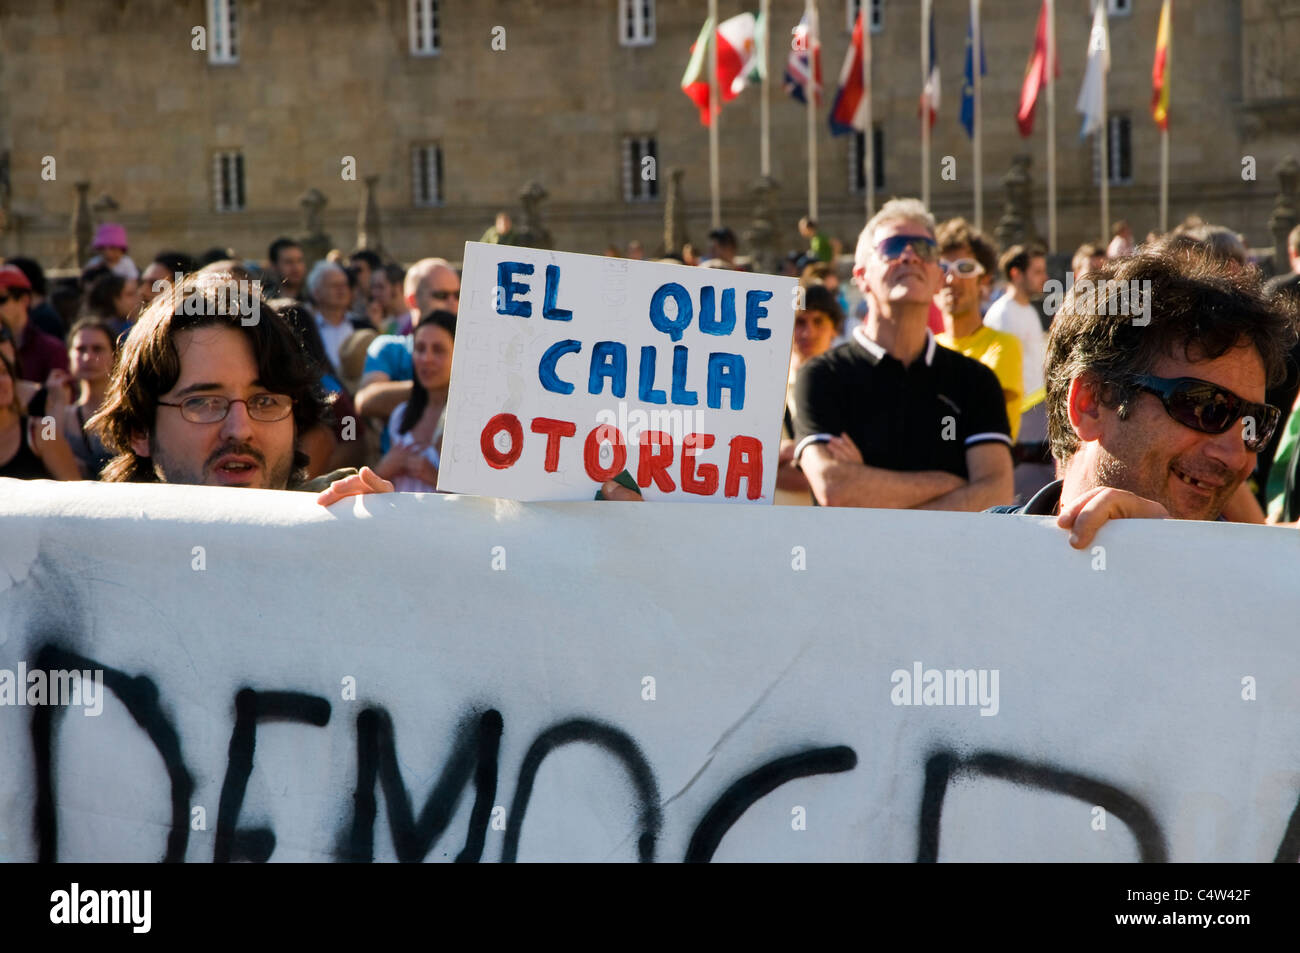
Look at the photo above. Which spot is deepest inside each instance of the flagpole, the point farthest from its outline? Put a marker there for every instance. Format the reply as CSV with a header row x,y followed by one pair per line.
x,y
1051,125
869,146
925,103
810,94
715,101
765,104
1164,133
977,62
1105,130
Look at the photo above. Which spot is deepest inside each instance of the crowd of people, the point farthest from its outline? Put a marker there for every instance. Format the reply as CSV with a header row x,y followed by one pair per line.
x,y
951,386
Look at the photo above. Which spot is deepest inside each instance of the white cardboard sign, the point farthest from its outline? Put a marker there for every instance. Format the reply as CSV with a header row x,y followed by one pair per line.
x,y
569,369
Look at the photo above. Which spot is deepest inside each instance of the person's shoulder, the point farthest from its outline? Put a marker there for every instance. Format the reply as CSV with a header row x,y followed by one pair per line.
x,y
386,343
1003,339
840,360
967,370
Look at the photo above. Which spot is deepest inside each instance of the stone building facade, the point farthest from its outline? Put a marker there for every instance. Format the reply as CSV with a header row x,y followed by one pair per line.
x,y
450,107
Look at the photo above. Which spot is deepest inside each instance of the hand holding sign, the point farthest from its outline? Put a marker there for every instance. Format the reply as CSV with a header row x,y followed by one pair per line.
x,y
547,346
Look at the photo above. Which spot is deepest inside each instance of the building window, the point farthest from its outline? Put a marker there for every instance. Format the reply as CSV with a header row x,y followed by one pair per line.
x,y
426,175
640,169
1119,8
223,31
228,182
1120,143
426,33
857,178
875,15
636,22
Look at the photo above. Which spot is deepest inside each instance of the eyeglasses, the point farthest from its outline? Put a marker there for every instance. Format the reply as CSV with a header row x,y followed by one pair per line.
x,y
961,267
5,299
266,408
892,248
444,295
1210,408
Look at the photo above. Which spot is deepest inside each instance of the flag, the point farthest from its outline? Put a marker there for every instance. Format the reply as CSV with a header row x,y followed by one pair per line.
x,y
849,111
1160,70
805,42
755,69
1035,75
1094,76
968,88
735,38
930,92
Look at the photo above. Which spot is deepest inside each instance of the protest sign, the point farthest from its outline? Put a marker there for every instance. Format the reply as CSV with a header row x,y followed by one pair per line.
x,y
569,369
511,681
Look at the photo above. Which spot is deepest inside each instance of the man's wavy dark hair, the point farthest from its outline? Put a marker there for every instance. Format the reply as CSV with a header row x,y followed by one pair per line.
x,y
1199,310
148,366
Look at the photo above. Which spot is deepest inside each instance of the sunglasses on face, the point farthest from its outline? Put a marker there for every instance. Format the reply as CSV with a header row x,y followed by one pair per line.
x,y
1210,408
4,299
892,248
962,267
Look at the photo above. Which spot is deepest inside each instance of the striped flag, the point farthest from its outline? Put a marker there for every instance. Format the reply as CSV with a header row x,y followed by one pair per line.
x,y
1035,75
1160,70
930,93
735,38
805,43
849,111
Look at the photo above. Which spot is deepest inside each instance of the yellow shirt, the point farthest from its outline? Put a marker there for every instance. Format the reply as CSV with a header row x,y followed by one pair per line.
x,y
1000,352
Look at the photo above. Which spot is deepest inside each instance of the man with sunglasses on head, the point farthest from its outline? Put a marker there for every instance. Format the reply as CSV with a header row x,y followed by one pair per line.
x,y
213,388
891,419
1156,410
967,259
431,285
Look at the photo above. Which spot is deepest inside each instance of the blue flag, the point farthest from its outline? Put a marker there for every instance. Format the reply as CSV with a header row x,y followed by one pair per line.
x,y
968,85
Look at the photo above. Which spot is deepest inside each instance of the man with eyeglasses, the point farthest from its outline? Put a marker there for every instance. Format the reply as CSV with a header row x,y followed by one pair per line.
x,y
967,259
207,394
890,418
1158,410
431,284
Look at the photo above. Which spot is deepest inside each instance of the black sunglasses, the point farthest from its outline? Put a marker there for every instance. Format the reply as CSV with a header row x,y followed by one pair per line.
x,y
1210,408
892,248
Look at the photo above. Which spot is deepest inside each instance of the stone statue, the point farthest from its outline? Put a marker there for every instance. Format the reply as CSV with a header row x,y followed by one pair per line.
x,y
760,236
1016,227
533,234
315,242
368,219
675,213
1286,212
82,230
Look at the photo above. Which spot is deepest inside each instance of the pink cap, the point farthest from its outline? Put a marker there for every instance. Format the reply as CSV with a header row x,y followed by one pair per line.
x,y
110,235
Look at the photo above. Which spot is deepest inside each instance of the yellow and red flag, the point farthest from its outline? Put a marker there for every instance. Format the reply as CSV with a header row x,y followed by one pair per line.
x,y
1160,71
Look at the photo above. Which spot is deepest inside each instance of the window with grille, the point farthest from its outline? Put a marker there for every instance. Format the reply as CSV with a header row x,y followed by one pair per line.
x,y
426,35
857,175
223,31
640,169
426,175
1120,143
875,14
228,182
636,22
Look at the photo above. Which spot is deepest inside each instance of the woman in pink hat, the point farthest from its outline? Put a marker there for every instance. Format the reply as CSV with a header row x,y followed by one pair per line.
x,y
110,247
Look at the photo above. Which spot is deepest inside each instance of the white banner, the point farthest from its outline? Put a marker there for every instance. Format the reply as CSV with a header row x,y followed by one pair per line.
x,y
439,677
571,368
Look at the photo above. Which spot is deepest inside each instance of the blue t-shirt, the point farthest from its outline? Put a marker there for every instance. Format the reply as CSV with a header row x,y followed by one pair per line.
x,y
390,353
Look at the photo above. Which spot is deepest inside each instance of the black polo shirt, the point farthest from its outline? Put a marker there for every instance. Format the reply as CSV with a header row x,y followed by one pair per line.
x,y
922,417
